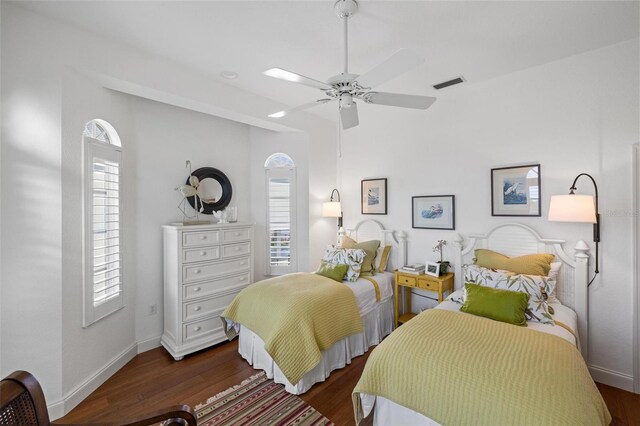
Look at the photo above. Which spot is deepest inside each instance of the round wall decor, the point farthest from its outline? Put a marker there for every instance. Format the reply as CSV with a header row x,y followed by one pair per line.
x,y
214,190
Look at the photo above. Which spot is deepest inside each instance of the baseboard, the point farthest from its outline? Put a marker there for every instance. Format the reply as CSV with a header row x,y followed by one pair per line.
x,y
611,378
147,345
83,390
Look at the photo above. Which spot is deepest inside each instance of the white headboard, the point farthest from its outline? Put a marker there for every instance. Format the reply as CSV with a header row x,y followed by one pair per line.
x,y
515,239
373,230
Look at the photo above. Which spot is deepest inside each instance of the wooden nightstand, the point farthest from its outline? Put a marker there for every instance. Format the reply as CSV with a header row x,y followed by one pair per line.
x,y
424,282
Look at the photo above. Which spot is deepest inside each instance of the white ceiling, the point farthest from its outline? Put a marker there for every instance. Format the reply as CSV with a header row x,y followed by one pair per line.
x,y
479,40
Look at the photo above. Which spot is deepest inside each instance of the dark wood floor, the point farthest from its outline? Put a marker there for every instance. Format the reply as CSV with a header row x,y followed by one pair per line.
x,y
153,380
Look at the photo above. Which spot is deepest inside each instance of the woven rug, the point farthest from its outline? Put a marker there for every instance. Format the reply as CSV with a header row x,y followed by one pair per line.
x,y
257,401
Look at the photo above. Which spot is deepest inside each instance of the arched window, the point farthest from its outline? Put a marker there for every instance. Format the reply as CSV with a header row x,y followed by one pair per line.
x,y
280,180
103,284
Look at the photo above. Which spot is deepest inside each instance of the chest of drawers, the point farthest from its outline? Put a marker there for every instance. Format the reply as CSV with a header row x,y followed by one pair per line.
x,y
205,266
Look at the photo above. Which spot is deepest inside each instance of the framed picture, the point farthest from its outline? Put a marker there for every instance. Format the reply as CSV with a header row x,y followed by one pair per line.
x,y
433,212
432,268
373,193
515,191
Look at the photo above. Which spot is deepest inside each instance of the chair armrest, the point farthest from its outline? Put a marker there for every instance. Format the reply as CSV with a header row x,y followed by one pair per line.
x,y
179,414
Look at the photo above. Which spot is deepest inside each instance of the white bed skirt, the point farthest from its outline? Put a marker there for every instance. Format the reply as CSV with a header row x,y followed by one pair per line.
x,y
377,324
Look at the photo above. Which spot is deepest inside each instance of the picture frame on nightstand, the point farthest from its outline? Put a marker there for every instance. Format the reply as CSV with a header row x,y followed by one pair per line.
x,y
432,268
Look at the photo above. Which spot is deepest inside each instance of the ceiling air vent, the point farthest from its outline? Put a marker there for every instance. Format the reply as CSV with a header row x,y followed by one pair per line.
x,y
444,84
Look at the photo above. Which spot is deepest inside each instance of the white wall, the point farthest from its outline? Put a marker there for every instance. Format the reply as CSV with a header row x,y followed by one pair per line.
x,y
46,98
579,114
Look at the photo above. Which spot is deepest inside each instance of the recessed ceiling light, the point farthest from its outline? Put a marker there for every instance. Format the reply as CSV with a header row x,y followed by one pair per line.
x,y
229,75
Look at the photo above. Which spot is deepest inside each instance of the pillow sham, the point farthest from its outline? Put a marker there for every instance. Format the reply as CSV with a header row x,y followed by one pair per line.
x,y
536,286
553,275
335,271
370,248
500,305
351,257
531,264
382,258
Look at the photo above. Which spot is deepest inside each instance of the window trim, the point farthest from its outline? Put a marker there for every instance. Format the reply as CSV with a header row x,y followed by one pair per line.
x,y
111,151
281,172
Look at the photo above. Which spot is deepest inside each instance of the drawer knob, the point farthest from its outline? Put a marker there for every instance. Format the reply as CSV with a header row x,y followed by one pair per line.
x,y
203,237
196,308
238,234
196,271
237,248
197,289
203,253
197,328
243,263
243,278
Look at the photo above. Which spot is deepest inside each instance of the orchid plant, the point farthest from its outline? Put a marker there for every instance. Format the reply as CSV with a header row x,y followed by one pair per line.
x,y
438,248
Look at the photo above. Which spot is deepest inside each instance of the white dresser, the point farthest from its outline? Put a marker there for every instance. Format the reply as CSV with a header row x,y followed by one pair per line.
x,y
205,266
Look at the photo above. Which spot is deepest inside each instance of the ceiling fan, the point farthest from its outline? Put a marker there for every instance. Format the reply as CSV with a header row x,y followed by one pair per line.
x,y
346,87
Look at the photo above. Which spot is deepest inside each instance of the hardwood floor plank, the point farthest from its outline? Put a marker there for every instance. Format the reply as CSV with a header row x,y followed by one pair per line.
x,y
153,380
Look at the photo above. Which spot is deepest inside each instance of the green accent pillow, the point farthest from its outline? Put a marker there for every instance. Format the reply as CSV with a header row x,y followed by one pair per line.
x,y
500,305
369,247
335,271
530,264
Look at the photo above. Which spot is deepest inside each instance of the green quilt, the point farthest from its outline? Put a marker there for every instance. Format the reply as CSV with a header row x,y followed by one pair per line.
x,y
459,369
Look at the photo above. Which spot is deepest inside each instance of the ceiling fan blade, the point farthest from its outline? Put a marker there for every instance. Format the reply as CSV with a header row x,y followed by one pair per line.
x,y
399,100
399,63
281,114
296,78
349,116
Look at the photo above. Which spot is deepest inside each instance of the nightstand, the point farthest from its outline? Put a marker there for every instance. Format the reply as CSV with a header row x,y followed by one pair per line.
x,y
423,282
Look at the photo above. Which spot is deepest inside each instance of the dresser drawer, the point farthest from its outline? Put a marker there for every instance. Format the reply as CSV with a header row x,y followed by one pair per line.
x,y
201,328
207,307
201,254
198,272
231,235
238,249
201,238
428,285
402,279
197,290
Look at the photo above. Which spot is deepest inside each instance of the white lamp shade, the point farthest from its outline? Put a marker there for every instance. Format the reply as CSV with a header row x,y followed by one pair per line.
x,y
572,208
331,209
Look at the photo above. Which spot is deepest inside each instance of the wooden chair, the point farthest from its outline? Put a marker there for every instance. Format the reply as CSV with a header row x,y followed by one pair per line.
x,y
22,403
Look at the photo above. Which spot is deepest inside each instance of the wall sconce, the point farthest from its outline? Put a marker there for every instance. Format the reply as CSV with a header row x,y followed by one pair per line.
x,y
333,208
578,208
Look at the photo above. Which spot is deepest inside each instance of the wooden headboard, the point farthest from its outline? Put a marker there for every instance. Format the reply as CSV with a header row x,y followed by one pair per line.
x,y
515,239
373,230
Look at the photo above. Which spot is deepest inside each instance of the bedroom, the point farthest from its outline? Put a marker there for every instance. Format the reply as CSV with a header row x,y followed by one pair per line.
x,y
553,83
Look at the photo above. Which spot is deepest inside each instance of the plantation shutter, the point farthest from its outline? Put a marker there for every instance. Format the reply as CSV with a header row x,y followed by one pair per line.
x,y
103,269
281,220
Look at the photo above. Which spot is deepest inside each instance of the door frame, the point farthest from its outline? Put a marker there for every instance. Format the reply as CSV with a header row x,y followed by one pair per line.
x,y
636,266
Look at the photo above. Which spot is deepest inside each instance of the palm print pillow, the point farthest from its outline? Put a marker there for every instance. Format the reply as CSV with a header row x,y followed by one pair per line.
x,y
350,257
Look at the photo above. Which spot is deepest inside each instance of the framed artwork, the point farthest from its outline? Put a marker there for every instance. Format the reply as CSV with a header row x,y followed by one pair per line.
x,y
432,268
433,212
515,191
373,193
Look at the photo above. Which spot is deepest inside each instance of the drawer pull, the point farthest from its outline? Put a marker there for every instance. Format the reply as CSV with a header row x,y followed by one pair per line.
x,y
243,278
197,289
203,237
203,253
243,263
196,308
196,271
238,234
197,328
237,248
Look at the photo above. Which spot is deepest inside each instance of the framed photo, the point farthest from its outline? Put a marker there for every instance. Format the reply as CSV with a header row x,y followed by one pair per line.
x,y
432,268
373,193
433,212
515,191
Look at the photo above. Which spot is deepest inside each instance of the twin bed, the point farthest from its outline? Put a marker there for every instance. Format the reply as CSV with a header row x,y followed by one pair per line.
x,y
449,367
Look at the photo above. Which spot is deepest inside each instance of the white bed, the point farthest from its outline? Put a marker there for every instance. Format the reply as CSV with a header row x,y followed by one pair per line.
x,y
512,240
378,317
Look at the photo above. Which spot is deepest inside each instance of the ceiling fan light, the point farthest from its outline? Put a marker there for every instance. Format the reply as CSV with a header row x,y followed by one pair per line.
x,y
346,100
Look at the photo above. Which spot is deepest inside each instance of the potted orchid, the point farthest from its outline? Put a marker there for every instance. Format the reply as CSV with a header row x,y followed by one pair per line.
x,y
444,265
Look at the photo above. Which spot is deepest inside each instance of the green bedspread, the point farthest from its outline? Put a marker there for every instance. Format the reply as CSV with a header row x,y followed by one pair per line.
x,y
297,316
459,369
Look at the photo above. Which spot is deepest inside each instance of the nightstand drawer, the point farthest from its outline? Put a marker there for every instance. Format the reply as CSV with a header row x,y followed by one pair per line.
x,y
428,285
404,280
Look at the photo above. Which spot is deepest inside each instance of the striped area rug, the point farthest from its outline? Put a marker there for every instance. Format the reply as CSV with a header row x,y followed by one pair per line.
x,y
258,401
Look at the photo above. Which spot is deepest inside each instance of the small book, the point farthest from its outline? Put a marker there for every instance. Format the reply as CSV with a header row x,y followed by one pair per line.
x,y
414,267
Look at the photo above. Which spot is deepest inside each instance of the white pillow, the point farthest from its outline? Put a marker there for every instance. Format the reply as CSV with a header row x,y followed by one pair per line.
x,y
553,275
351,257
